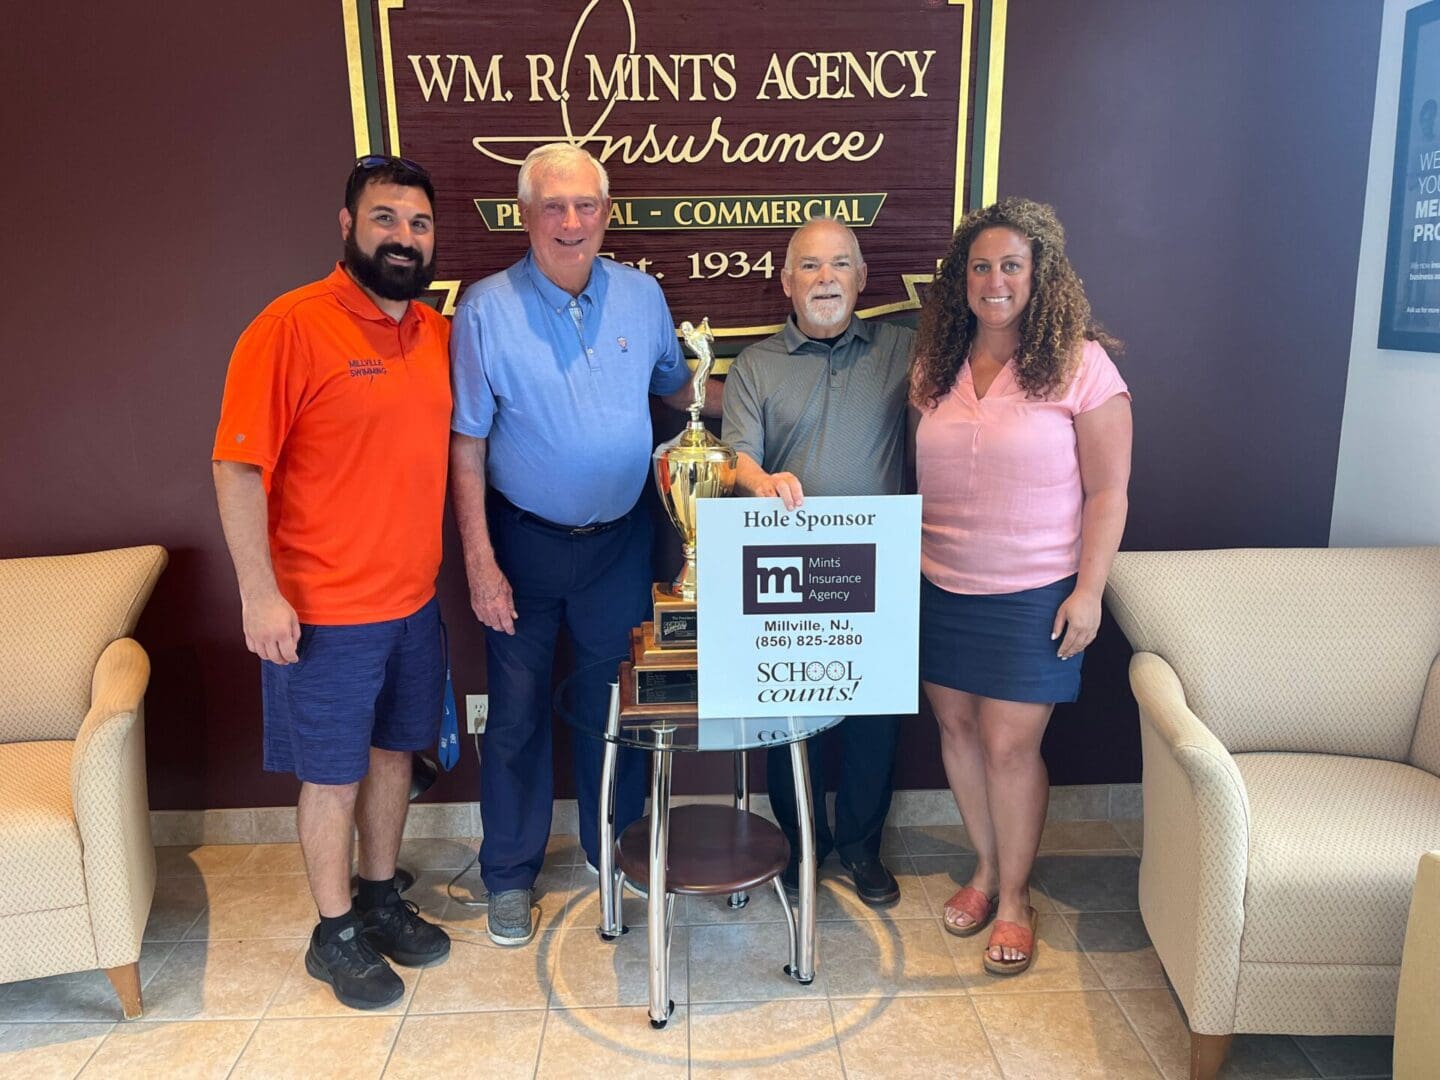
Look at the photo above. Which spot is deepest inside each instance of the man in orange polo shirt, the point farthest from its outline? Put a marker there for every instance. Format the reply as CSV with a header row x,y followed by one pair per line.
x,y
330,464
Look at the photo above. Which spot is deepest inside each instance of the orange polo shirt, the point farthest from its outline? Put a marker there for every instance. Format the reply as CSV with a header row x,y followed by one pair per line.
x,y
347,414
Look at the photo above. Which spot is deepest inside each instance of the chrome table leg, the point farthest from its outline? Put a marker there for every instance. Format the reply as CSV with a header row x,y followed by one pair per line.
x,y
612,923
789,921
658,909
742,802
803,970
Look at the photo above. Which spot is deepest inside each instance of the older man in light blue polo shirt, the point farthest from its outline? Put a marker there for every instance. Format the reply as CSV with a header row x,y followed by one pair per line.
x,y
552,363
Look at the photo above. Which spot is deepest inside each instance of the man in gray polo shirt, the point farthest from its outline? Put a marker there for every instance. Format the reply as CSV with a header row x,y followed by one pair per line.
x,y
819,409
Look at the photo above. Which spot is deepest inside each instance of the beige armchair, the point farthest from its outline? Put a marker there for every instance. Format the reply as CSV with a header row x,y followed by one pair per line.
x,y
77,868
1290,725
1417,1011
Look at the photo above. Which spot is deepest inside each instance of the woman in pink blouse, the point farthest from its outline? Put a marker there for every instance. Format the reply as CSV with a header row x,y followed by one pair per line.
x,y
1022,450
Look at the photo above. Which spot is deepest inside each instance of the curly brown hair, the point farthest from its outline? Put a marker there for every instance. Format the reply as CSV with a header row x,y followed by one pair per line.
x,y
1052,327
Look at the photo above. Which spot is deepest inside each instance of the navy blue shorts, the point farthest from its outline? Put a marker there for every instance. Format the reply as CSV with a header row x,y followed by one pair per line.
x,y
998,645
373,684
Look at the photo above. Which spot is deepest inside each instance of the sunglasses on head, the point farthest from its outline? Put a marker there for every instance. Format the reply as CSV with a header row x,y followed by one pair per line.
x,y
376,161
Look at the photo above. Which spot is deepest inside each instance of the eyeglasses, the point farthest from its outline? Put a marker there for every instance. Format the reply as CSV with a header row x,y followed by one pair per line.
x,y
377,161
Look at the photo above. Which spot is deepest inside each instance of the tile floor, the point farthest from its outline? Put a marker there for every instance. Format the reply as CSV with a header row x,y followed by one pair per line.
x,y
226,994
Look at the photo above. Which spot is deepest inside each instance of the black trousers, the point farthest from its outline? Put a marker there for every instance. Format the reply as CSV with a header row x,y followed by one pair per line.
x,y
862,790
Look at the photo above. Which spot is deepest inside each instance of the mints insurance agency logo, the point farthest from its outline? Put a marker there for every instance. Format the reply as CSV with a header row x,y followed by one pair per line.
x,y
785,579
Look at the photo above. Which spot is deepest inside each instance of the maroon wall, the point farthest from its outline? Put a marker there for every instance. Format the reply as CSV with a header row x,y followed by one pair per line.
x,y
1209,162
173,168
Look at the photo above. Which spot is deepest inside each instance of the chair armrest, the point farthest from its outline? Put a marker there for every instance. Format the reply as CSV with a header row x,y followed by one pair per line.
x,y
112,806
1197,847
1417,1009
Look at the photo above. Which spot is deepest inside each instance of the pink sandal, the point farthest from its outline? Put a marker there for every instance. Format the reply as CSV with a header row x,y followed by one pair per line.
x,y
1009,935
974,905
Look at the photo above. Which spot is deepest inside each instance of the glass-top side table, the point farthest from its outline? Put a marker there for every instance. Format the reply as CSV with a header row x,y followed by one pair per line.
x,y
591,702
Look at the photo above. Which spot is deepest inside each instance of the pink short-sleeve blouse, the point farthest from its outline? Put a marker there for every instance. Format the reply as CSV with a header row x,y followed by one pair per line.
x,y
1000,477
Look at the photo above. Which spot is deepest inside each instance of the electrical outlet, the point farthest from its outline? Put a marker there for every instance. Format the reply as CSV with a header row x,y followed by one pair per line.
x,y
477,709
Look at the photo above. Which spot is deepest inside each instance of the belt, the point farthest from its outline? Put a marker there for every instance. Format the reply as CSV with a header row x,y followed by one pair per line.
x,y
525,516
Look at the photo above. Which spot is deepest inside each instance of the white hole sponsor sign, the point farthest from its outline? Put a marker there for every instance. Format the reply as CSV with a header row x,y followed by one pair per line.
x,y
809,612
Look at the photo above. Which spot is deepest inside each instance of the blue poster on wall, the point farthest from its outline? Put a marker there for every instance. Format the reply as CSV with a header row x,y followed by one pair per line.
x,y
1410,311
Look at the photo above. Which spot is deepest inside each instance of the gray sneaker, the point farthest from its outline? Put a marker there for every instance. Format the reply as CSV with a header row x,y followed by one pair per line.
x,y
510,922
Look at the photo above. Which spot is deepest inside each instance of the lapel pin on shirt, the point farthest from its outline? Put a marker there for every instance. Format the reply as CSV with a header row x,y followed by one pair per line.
x,y
624,345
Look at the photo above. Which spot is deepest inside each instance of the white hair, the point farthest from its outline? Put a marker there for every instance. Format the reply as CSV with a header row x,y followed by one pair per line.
x,y
558,154
849,232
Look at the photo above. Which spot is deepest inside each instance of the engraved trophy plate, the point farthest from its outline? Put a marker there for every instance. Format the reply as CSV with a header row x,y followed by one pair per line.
x,y
661,676
667,686
647,650
676,625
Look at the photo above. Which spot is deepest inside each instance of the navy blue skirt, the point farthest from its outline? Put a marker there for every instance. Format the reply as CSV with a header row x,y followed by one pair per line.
x,y
997,646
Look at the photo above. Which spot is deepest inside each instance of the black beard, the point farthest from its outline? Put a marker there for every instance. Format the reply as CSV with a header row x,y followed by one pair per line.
x,y
385,279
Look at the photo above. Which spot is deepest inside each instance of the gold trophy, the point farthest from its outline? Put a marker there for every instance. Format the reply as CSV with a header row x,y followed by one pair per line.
x,y
693,465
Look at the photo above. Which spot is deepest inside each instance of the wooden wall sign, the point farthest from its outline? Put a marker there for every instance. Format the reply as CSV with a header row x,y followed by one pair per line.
x,y
723,128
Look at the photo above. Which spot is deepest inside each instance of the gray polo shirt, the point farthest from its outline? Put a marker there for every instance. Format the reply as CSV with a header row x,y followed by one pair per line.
x,y
832,415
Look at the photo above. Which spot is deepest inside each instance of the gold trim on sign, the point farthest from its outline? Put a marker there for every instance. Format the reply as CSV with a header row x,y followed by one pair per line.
x,y
993,96
355,64
451,289
387,6
961,142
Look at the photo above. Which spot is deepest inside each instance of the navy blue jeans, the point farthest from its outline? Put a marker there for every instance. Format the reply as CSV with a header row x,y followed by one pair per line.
x,y
598,587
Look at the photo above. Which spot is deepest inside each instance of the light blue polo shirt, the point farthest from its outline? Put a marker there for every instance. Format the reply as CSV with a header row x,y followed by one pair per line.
x,y
559,384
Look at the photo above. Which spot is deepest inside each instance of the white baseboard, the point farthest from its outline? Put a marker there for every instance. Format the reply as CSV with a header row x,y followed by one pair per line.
x,y
276,824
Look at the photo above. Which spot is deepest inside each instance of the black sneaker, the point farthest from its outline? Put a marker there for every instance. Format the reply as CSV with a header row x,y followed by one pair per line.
x,y
358,974
397,930
874,884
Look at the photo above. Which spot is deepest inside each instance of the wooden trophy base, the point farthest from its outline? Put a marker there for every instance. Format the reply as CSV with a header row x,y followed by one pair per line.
x,y
660,676
680,713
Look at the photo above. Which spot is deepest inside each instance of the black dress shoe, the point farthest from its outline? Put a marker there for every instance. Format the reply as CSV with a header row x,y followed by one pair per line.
x,y
874,884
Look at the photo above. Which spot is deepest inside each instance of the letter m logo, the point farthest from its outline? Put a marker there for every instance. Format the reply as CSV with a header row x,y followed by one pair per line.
x,y
779,579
